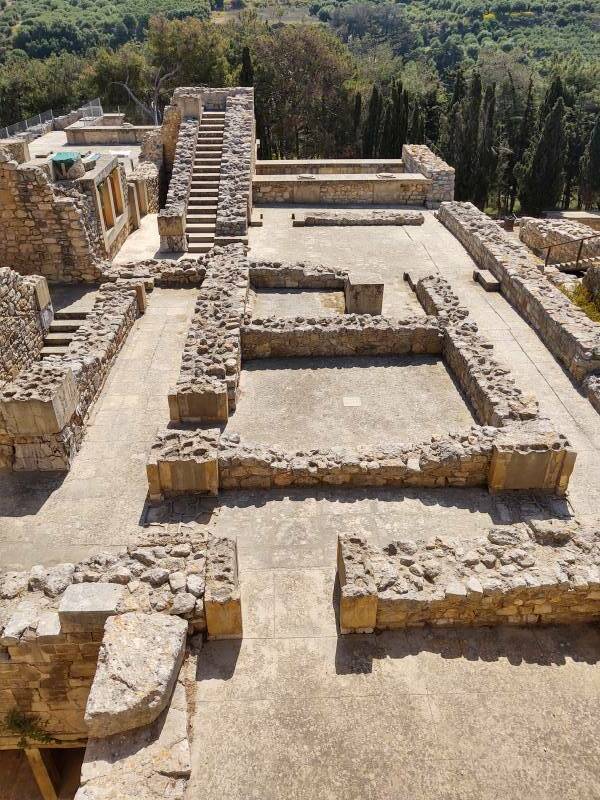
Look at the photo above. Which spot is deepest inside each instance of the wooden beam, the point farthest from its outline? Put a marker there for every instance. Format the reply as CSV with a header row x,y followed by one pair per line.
x,y
44,771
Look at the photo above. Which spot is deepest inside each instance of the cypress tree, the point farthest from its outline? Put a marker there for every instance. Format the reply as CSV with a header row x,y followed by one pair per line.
x,y
247,71
417,125
387,140
590,169
448,141
399,123
523,140
554,91
575,149
486,156
541,176
467,137
372,123
356,114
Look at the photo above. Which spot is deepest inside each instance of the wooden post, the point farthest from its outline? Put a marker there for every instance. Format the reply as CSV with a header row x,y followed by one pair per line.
x,y
44,771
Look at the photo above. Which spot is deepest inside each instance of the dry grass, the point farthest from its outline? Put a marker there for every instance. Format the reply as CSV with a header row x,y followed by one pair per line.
x,y
583,299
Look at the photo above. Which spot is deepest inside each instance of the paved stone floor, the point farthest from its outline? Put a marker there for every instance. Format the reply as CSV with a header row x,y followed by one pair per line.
x,y
55,141
295,303
295,711
304,403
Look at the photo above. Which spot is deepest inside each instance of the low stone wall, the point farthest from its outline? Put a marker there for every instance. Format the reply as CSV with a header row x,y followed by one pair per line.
x,y
149,174
25,316
591,281
172,218
153,272
538,234
234,205
296,275
543,572
360,218
43,411
18,149
207,387
402,189
569,334
44,230
419,158
328,166
68,633
488,385
79,133
347,335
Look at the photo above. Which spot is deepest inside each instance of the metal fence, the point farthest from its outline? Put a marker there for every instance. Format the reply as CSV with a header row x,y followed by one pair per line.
x,y
93,108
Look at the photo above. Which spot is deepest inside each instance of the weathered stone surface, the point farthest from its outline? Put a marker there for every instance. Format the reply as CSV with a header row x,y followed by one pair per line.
x,y
90,604
171,218
419,158
539,234
544,572
138,664
234,205
369,218
150,763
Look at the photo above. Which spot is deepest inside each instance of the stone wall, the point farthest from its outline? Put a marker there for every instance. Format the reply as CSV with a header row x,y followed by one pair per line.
x,y
148,176
399,189
43,411
361,218
296,275
79,133
234,205
538,234
65,631
419,158
207,387
44,230
328,166
591,281
569,334
536,573
25,316
172,218
344,335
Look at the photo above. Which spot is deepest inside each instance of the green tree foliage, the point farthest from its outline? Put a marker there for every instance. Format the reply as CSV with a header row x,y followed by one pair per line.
x,y
372,123
247,70
467,138
590,168
541,176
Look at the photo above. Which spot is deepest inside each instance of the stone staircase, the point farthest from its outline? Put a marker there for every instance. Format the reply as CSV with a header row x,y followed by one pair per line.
x,y
60,333
577,266
202,206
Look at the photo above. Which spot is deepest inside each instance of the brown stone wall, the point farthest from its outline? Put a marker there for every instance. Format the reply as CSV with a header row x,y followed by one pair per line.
x,y
334,189
572,337
419,158
538,234
43,231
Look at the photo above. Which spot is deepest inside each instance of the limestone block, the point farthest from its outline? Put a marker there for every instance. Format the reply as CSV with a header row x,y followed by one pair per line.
x,y
206,403
88,605
149,763
145,649
358,592
33,407
364,297
183,462
222,601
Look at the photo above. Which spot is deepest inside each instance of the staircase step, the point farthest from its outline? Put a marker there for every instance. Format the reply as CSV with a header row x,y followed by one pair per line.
x,y
80,315
199,248
201,209
53,351
200,227
199,238
64,327
52,339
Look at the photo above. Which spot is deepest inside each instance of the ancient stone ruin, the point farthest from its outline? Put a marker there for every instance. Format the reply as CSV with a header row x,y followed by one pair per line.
x,y
216,372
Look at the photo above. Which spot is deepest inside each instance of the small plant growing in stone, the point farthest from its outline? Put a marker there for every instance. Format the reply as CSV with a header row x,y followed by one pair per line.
x,y
28,728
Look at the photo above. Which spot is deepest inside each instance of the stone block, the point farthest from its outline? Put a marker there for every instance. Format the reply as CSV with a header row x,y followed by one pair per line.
x,y
88,605
358,592
222,601
146,648
38,409
207,404
486,280
183,462
365,297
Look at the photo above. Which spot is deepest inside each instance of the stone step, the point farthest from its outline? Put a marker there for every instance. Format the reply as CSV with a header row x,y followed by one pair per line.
x,y
203,202
52,339
64,327
80,315
53,351
211,194
203,210
199,248
208,149
485,279
200,227
207,182
207,161
198,238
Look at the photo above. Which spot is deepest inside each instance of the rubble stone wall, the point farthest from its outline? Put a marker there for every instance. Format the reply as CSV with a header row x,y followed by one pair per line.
x,y
537,573
207,387
234,205
419,158
538,234
43,410
42,230
346,335
52,625
572,337
25,316
360,218
591,281
335,189
296,275
172,218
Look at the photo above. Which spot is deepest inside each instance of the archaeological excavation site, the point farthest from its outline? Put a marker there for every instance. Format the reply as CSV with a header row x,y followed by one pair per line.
x,y
299,474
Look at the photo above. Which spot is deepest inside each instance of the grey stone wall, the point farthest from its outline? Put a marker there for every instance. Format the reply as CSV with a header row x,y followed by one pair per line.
x,y
234,205
171,218
419,158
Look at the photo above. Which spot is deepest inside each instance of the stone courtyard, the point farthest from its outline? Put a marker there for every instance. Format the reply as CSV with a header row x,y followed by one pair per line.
x,y
201,516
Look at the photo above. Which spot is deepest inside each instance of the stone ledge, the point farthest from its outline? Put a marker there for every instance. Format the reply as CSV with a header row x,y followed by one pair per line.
x,y
358,218
535,573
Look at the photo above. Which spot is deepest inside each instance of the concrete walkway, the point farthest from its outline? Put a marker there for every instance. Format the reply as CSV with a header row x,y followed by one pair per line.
x,y
49,518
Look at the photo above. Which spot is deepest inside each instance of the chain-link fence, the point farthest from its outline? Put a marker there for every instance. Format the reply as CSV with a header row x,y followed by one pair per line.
x,y
93,108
